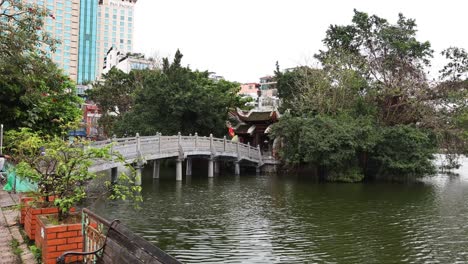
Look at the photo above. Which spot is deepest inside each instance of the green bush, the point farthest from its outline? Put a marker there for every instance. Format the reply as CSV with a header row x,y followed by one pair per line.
x,y
403,151
349,149
348,175
333,144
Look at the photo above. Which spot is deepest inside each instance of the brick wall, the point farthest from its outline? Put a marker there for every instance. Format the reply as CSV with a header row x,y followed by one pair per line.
x,y
30,220
25,203
24,207
54,240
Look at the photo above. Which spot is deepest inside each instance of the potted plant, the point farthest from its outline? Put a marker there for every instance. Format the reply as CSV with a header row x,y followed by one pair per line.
x,y
61,170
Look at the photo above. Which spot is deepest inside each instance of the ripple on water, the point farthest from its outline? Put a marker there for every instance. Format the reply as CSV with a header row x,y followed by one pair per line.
x,y
283,220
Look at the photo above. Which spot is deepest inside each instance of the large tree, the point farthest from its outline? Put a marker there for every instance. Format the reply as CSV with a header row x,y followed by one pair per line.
x,y
451,98
370,110
34,92
178,99
390,57
115,96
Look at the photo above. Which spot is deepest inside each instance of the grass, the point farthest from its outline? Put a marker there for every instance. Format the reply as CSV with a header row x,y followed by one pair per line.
x,y
14,244
37,253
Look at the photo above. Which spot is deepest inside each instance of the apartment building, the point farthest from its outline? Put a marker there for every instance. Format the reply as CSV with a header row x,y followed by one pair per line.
x,y
63,23
115,28
87,29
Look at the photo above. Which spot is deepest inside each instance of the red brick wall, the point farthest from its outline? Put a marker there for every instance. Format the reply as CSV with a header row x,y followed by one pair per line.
x,y
24,207
31,219
55,240
24,202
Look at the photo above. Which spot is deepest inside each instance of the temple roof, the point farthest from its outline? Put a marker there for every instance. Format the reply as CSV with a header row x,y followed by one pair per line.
x,y
257,115
253,121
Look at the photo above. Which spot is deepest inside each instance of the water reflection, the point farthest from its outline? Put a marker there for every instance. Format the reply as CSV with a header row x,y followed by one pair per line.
x,y
260,219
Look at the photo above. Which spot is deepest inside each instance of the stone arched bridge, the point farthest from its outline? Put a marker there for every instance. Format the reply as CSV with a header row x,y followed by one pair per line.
x,y
139,150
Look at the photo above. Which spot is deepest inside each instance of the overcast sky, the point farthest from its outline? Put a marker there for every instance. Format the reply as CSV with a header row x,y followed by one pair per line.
x,y
242,39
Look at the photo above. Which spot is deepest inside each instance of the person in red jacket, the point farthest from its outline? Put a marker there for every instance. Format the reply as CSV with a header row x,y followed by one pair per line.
x,y
231,132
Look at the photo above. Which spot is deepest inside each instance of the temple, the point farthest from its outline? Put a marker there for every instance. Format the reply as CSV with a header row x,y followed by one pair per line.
x,y
254,126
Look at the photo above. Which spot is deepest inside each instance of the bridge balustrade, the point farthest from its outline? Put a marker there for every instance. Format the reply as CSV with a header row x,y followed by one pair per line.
x,y
132,148
138,149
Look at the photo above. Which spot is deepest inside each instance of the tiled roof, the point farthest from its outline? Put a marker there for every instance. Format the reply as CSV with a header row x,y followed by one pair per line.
x,y
256,115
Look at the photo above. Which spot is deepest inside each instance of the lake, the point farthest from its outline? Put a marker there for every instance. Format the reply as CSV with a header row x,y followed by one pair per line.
x,y
288,219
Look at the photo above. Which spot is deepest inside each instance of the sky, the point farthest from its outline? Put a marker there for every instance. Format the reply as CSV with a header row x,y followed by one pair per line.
x,y
242,39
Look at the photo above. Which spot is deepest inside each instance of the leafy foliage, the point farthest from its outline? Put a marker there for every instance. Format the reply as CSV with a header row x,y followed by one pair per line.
x,y
61,168
37,253
331,92
21,25
389,57
370,112
403,150
115,96
451,97
33,91
177,99
333,144
457,67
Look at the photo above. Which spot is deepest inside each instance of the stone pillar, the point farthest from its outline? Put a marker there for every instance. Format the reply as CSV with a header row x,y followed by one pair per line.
x,y
114,175
138,169
178,190
188,167
216,167
156,165
210,184
179,170
236,168
210,168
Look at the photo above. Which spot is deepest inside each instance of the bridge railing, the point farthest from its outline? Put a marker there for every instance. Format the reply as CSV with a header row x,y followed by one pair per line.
x,y
132,147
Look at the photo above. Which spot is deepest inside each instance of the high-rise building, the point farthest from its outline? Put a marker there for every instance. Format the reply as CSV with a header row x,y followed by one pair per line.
x,y
87,29
63,23
115,28
87,57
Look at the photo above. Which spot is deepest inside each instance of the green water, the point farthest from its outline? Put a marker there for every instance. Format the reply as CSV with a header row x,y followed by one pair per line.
x,y
264,219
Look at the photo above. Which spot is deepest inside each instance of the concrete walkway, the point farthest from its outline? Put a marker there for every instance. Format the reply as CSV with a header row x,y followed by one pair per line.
x,y
9,230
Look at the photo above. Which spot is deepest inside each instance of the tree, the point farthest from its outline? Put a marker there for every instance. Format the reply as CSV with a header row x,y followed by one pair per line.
x,y
451,98
457,67
115,96
178,99
334,145
22,26
61,168
33,91
390,57
318,91
369,112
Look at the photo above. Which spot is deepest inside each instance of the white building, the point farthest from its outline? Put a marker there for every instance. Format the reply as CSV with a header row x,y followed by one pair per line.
x,y
115,28
215,77
125,61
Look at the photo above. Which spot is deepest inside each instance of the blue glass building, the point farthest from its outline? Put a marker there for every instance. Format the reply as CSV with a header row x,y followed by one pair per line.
x,y
87,55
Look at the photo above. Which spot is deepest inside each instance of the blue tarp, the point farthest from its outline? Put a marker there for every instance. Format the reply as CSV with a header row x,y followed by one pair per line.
x,y
22,185
77,133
